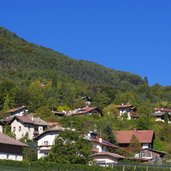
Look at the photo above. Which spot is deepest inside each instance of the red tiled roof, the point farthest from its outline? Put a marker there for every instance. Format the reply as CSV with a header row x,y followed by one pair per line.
x,y
123,106
163,109
4,139
143,136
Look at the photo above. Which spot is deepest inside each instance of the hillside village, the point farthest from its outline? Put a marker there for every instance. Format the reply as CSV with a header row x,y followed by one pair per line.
x,y
26,127
58,109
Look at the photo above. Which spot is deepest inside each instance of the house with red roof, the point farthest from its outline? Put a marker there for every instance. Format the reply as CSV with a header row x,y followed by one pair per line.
x,y
25,126
100,149
145,137
10,148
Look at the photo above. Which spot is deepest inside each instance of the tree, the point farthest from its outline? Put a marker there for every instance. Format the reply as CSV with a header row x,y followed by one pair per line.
x,y
135,145
70,147
109,135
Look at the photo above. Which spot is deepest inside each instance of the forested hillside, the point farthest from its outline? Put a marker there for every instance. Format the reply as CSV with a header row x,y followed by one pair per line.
x,y
43,79
24,60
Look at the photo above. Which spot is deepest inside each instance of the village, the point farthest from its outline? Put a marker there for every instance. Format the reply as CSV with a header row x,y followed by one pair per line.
x,y
25,125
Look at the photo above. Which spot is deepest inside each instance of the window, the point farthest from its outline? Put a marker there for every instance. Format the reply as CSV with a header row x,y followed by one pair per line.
x,y
19,129
14,129
45,154
45,142
7,156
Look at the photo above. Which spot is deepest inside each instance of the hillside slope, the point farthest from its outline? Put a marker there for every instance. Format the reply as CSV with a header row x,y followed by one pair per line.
x,y
22,60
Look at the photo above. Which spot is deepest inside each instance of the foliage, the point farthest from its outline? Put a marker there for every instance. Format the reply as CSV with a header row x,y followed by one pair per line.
x,y
7,131
70,148
134,145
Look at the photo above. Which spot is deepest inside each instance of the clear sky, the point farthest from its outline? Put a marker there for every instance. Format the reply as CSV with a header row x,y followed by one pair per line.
x,y
127,35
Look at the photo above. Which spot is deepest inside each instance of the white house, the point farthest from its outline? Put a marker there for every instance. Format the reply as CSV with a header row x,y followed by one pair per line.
x,y
46,140
106,158
30,127
127,110
10,148
18,111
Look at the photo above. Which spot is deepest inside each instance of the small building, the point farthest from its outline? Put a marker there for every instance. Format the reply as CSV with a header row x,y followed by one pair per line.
x,y
10,148
160,113
81,112
18,111
145,137
46,140
154,156
99,144
24,126
106,158
127,110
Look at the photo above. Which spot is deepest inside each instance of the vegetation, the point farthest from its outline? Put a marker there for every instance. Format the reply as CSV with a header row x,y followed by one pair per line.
x,y
45,80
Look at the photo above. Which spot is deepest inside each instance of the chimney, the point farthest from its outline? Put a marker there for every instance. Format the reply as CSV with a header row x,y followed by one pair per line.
x,y
32,118
100,139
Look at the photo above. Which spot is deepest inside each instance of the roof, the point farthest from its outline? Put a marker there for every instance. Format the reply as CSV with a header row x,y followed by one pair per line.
x,y
4,139
124,106
16,109
103,142
24,119
158,114
163,109
54,129
143,136
81,111
33,120
114,155
156,151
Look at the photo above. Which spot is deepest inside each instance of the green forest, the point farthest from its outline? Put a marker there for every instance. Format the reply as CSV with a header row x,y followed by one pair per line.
x,y
43,79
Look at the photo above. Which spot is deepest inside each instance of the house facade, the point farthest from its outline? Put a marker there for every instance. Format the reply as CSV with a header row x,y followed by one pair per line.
x,y
46,140
19,111
127,110
10,148
145,138
23,126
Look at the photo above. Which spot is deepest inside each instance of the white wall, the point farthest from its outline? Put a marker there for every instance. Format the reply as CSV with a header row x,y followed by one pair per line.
x,y
8,156
46,140
24,130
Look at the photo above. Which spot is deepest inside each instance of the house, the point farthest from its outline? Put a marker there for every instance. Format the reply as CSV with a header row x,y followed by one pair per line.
x,y
127,110
85,111
99,144
100,149
106,158
10,148
160,114
80,112
46,140
19,111
25,126
145,137
152,155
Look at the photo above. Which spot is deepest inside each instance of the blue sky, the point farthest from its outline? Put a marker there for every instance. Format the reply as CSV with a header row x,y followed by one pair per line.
x,y
127,35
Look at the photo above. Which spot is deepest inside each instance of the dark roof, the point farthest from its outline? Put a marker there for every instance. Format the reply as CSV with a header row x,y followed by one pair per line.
x,y
28,120
158,114
82,111
103,142
54,129
16,109
4,139
24,119
114,155
156,151
143,136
